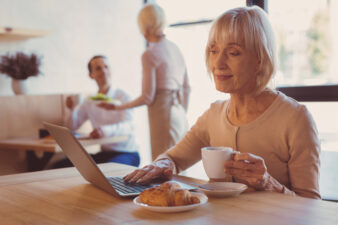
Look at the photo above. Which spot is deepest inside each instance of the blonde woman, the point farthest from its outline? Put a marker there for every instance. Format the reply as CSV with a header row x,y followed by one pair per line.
x,y
165,85
275,136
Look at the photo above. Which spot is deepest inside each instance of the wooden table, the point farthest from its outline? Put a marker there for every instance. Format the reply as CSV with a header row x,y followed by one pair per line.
x,y
62,196
48,145
39,151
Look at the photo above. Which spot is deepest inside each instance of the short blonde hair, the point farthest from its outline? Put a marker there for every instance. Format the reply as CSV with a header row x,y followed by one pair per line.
x,y
251,26
151,19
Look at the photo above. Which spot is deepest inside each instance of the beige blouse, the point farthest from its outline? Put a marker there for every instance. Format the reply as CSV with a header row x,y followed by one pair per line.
x,y
163,68
285,136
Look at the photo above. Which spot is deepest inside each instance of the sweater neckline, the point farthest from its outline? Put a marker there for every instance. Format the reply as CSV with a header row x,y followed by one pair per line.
x,y
270,110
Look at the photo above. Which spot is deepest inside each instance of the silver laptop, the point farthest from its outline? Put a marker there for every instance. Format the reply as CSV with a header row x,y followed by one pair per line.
x,y
87,166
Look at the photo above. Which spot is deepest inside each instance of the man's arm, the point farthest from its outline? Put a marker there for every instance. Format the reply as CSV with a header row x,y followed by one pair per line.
x,y
78,116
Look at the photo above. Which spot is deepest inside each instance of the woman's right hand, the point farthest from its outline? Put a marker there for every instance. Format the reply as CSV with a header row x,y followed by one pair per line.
x,y
162,169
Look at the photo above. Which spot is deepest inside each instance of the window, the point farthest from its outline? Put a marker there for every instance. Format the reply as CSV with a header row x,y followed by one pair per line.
x,y
307,37
189,22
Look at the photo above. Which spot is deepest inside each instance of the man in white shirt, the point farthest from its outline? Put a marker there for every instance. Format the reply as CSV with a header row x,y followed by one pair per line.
x,y
105,123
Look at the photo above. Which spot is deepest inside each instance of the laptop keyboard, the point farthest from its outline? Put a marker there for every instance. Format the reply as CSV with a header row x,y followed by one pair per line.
x,y
125,188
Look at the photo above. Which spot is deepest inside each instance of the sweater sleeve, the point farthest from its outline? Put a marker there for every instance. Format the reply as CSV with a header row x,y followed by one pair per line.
x,y
304,150
78,116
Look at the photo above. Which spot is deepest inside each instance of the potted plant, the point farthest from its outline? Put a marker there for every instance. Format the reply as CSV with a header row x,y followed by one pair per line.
x,y
19,67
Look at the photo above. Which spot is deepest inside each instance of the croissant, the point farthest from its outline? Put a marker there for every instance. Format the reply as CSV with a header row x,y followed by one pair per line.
x,y
167,194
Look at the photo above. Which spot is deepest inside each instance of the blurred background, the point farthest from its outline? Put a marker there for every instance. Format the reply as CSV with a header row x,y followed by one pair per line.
x,y
66,34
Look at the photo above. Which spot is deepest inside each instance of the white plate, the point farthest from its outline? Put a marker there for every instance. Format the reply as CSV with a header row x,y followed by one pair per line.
x,y
170,209
222,189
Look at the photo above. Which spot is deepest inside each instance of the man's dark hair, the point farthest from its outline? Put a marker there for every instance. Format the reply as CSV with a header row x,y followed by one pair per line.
x,y
94,57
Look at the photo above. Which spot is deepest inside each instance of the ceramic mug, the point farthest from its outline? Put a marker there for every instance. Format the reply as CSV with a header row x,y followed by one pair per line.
x,y
213,159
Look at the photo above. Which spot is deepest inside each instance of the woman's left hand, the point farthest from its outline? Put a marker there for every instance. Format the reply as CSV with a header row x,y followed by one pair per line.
x,y
252,170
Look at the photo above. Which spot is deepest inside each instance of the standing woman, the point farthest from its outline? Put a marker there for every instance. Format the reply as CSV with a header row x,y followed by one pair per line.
x,y
165,84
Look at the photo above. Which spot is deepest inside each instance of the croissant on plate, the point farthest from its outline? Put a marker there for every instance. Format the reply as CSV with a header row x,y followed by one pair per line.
x,y
167,194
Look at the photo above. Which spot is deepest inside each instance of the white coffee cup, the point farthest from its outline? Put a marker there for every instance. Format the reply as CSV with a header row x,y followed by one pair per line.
x,y
213,159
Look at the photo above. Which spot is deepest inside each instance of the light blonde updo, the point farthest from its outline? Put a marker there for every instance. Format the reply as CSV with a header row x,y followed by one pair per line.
x,y
151,19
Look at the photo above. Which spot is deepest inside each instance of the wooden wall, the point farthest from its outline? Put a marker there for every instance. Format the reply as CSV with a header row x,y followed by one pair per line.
x,y
22,116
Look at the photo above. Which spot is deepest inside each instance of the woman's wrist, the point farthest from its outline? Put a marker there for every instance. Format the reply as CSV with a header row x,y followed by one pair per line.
x,y
167,167
164,162
273,185
170,161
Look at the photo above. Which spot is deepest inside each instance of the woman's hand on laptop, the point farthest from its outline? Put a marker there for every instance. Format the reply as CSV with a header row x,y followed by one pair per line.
x,y
162,169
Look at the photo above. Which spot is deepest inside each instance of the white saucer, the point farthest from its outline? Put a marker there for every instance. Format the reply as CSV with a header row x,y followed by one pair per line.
x,y
222,189
171,209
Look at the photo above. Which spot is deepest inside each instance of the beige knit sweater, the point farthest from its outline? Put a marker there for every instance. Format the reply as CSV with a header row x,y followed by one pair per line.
x,y
285,136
